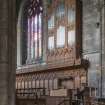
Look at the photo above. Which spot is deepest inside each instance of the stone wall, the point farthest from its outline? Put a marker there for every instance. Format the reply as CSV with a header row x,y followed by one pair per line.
x,y
93,42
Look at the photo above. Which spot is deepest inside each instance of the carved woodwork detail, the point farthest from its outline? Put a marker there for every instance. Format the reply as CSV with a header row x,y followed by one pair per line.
x,y
29,78
50,75
61,54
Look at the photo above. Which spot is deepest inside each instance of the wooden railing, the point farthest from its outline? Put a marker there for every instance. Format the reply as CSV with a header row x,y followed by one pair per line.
x,y
40,93
80,102
30,93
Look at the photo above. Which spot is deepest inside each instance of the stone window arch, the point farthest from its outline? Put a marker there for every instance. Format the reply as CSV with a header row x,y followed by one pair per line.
x,y
29,32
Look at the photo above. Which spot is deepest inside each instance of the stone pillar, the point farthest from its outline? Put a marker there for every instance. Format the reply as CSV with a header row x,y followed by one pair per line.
x,y
91,41
45,30
103,47
7,52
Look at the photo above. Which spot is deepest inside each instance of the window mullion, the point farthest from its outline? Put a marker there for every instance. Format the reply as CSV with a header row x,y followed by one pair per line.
x,y
34,38
34,34
40,37
37,35
28,36
30,39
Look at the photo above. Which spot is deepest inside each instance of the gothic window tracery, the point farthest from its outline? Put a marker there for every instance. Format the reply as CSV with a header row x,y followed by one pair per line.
x,y
33,12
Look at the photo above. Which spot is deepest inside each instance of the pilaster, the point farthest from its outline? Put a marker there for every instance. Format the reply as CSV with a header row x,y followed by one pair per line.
x,y
7,52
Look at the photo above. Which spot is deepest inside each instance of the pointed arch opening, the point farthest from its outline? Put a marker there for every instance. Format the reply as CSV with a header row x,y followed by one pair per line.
x,y
29,32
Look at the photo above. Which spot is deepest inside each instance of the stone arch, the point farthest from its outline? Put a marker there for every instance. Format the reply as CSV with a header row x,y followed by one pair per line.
x,y
19,33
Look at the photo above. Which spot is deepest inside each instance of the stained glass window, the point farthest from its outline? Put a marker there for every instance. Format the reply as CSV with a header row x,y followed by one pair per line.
x,y
34,12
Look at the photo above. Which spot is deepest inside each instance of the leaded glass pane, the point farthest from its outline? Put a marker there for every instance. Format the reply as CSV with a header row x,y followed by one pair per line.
x,y
29,32
34,16
40,39
35,36
32,37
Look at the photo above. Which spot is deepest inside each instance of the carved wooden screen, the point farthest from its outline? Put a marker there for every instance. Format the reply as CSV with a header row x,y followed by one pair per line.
x,y
33,13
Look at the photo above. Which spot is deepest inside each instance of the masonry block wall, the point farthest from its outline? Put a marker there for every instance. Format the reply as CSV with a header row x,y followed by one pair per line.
x,y
94,42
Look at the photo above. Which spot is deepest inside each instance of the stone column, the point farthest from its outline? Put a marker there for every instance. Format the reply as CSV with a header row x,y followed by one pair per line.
x,y
7,52
103,47
45,30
